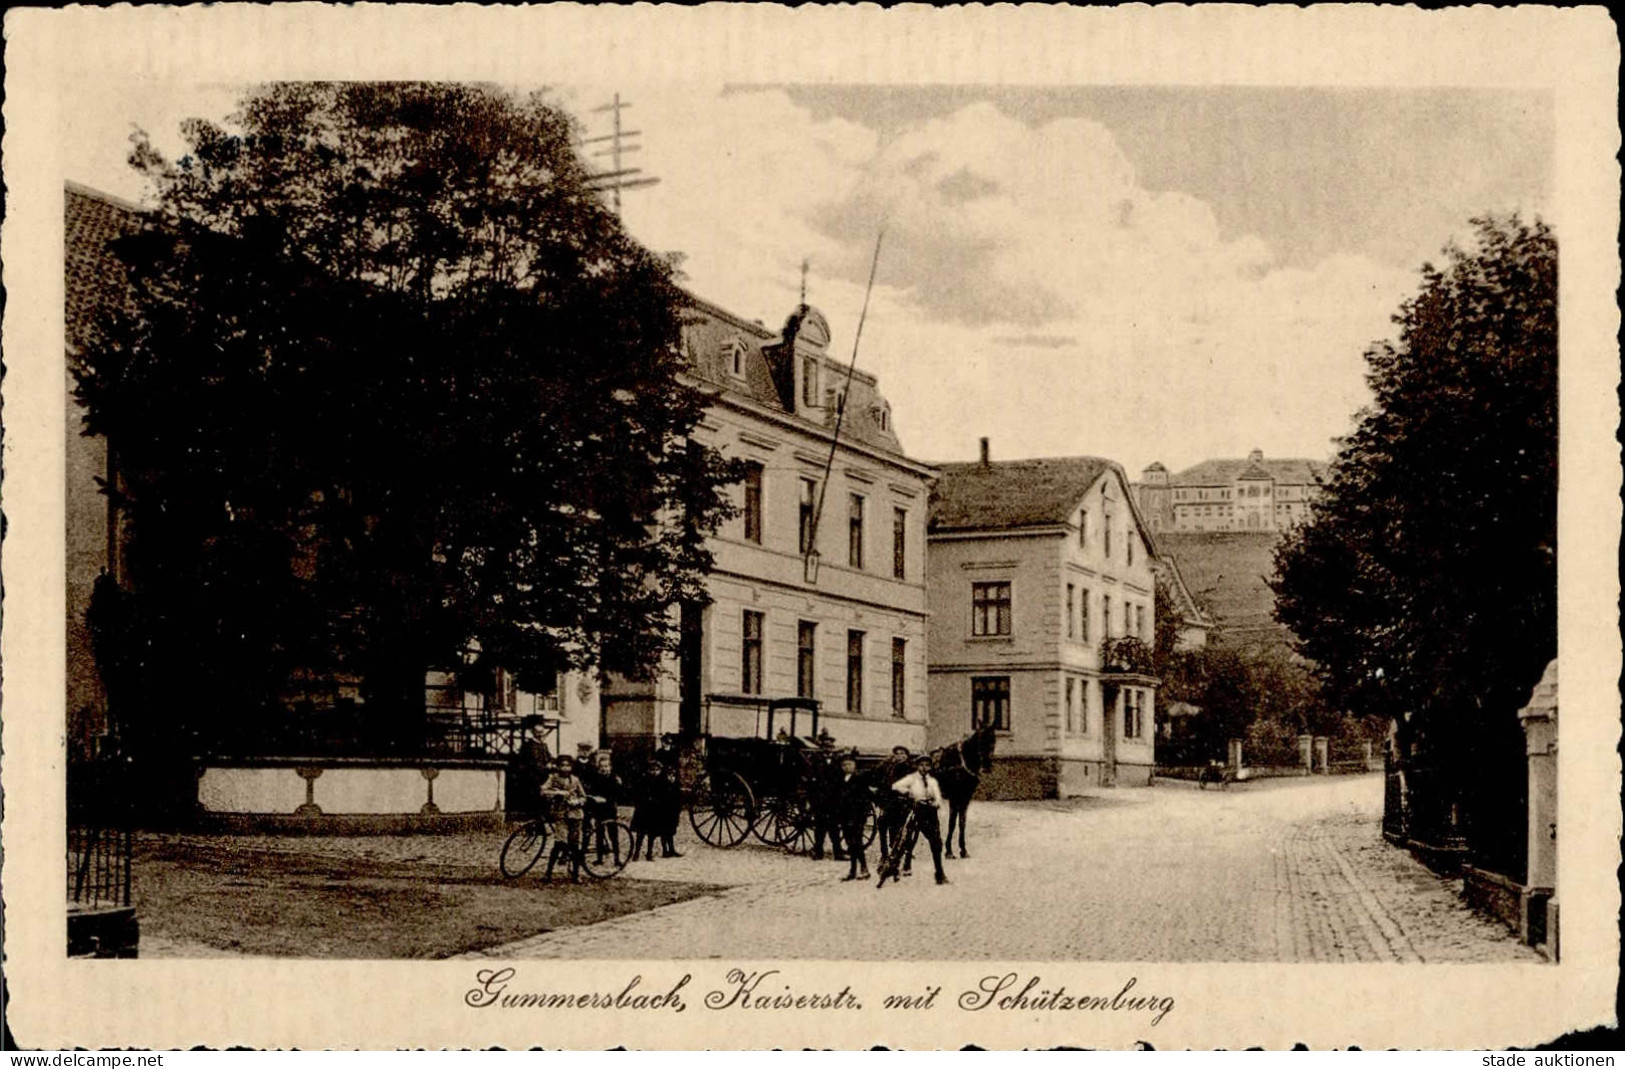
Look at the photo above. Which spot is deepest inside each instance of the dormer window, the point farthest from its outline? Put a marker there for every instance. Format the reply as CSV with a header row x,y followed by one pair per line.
x,y
809,381
733,357
882,415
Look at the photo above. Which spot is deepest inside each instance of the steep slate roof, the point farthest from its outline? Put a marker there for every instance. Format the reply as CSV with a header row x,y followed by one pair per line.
x,y
93,276
1224,472
709,328
1013,493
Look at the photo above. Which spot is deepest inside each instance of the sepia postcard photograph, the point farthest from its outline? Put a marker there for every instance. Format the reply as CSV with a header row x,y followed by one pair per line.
x,y
742,527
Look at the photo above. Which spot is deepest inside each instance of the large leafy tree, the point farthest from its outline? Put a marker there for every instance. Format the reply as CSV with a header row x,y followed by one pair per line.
x,y
394,389
1425,585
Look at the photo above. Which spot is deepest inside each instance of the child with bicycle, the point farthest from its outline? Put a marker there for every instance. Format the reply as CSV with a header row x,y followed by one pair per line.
x,y
924,797
566,802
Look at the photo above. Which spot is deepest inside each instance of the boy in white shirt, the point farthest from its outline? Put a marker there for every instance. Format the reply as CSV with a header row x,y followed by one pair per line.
x,y
923,792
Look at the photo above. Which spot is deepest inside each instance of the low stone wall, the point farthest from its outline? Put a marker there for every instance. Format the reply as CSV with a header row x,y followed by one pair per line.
x,y
1028,777
350,796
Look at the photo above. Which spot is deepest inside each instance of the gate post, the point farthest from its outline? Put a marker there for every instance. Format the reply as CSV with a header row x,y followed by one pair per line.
x,y
1306,752
1539,720
1234,754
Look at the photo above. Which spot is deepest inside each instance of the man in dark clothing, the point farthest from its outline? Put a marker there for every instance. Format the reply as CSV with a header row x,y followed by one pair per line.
x,y
853,809
892,808
529,769
824,794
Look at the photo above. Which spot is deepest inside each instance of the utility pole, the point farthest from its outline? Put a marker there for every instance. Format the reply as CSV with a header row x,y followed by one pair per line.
x,y
618,177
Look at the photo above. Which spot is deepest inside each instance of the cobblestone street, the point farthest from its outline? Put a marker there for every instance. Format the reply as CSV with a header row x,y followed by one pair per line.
x,y
1284,870
1279,870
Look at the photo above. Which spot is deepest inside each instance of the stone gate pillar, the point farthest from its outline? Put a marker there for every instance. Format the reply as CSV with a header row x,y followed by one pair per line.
x,y
1539,719
1323,754
1306,752
1234,754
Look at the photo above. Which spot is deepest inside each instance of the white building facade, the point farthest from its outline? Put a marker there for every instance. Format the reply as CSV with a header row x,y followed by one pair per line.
x,y
1043,612
848,632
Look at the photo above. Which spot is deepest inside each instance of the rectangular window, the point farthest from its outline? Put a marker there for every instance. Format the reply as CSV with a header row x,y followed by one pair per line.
x,y
1106,534
854,672
809,503
1130,541
1131,713
809,382
1083,623
899,677
750,656
1139,621
990,608
1083,529
899,543
806,637
854,530
1071,709
753,503
1071,611
1083,707
1106,613
990,701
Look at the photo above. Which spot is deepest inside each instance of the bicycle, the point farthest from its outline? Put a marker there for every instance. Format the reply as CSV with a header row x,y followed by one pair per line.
x,y
596,833
525,846
902,844
529,842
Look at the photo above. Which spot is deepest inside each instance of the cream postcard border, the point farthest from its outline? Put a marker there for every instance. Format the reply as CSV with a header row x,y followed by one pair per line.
x,y
280,1003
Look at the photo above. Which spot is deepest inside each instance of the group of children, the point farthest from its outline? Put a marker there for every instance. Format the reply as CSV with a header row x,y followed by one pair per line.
x,y
586,791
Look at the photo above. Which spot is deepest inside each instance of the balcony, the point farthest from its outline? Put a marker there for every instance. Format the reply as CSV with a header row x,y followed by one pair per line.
x,y
1126,655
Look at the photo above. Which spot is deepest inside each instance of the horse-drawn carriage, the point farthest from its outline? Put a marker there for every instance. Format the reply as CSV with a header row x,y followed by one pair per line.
x,y
769,784
773,783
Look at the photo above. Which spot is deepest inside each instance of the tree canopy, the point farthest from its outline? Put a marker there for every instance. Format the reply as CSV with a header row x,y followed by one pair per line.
x,y
1425,585
394,389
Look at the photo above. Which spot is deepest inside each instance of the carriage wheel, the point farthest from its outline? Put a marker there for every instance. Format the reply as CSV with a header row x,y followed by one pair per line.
x,y
795,826
775,819
616,845
523,848
722,810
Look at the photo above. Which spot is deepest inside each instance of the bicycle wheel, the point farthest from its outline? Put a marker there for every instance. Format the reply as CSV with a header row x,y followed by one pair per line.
x,y
891,864
616,845
524,848
871,825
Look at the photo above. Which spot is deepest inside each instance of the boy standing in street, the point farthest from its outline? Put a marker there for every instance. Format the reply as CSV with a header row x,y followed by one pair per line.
x,y
922,792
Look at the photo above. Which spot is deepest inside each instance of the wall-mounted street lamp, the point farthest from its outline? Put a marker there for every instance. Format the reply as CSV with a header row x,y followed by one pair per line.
x,y
809,565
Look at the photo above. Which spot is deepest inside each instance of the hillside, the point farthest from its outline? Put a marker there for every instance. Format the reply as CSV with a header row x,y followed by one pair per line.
x,y
1227,571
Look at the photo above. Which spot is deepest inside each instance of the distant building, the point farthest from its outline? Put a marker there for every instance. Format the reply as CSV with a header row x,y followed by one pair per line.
x,y
848,629
1042,616
1252,494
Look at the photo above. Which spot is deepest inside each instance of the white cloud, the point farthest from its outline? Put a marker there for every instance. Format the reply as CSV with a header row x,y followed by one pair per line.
x,y
1185,343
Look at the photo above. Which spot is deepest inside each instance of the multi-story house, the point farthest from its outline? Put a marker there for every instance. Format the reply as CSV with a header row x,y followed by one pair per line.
x,y
1251,494
1042,618
818,588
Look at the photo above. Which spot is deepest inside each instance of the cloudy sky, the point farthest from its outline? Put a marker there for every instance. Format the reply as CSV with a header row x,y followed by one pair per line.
x,y
1143,273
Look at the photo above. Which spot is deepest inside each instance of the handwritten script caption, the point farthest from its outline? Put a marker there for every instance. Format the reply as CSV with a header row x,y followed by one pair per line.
x,y
770,989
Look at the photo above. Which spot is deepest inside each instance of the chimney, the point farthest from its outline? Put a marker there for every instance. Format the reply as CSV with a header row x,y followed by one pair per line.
x,y
1256,455
985,460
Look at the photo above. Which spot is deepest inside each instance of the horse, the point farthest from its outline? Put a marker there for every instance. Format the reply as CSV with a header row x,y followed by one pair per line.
x,y
959,771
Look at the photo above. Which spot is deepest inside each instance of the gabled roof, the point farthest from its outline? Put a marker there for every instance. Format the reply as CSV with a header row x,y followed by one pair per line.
x,y
93,276
1185,603
1013,493
1224,472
